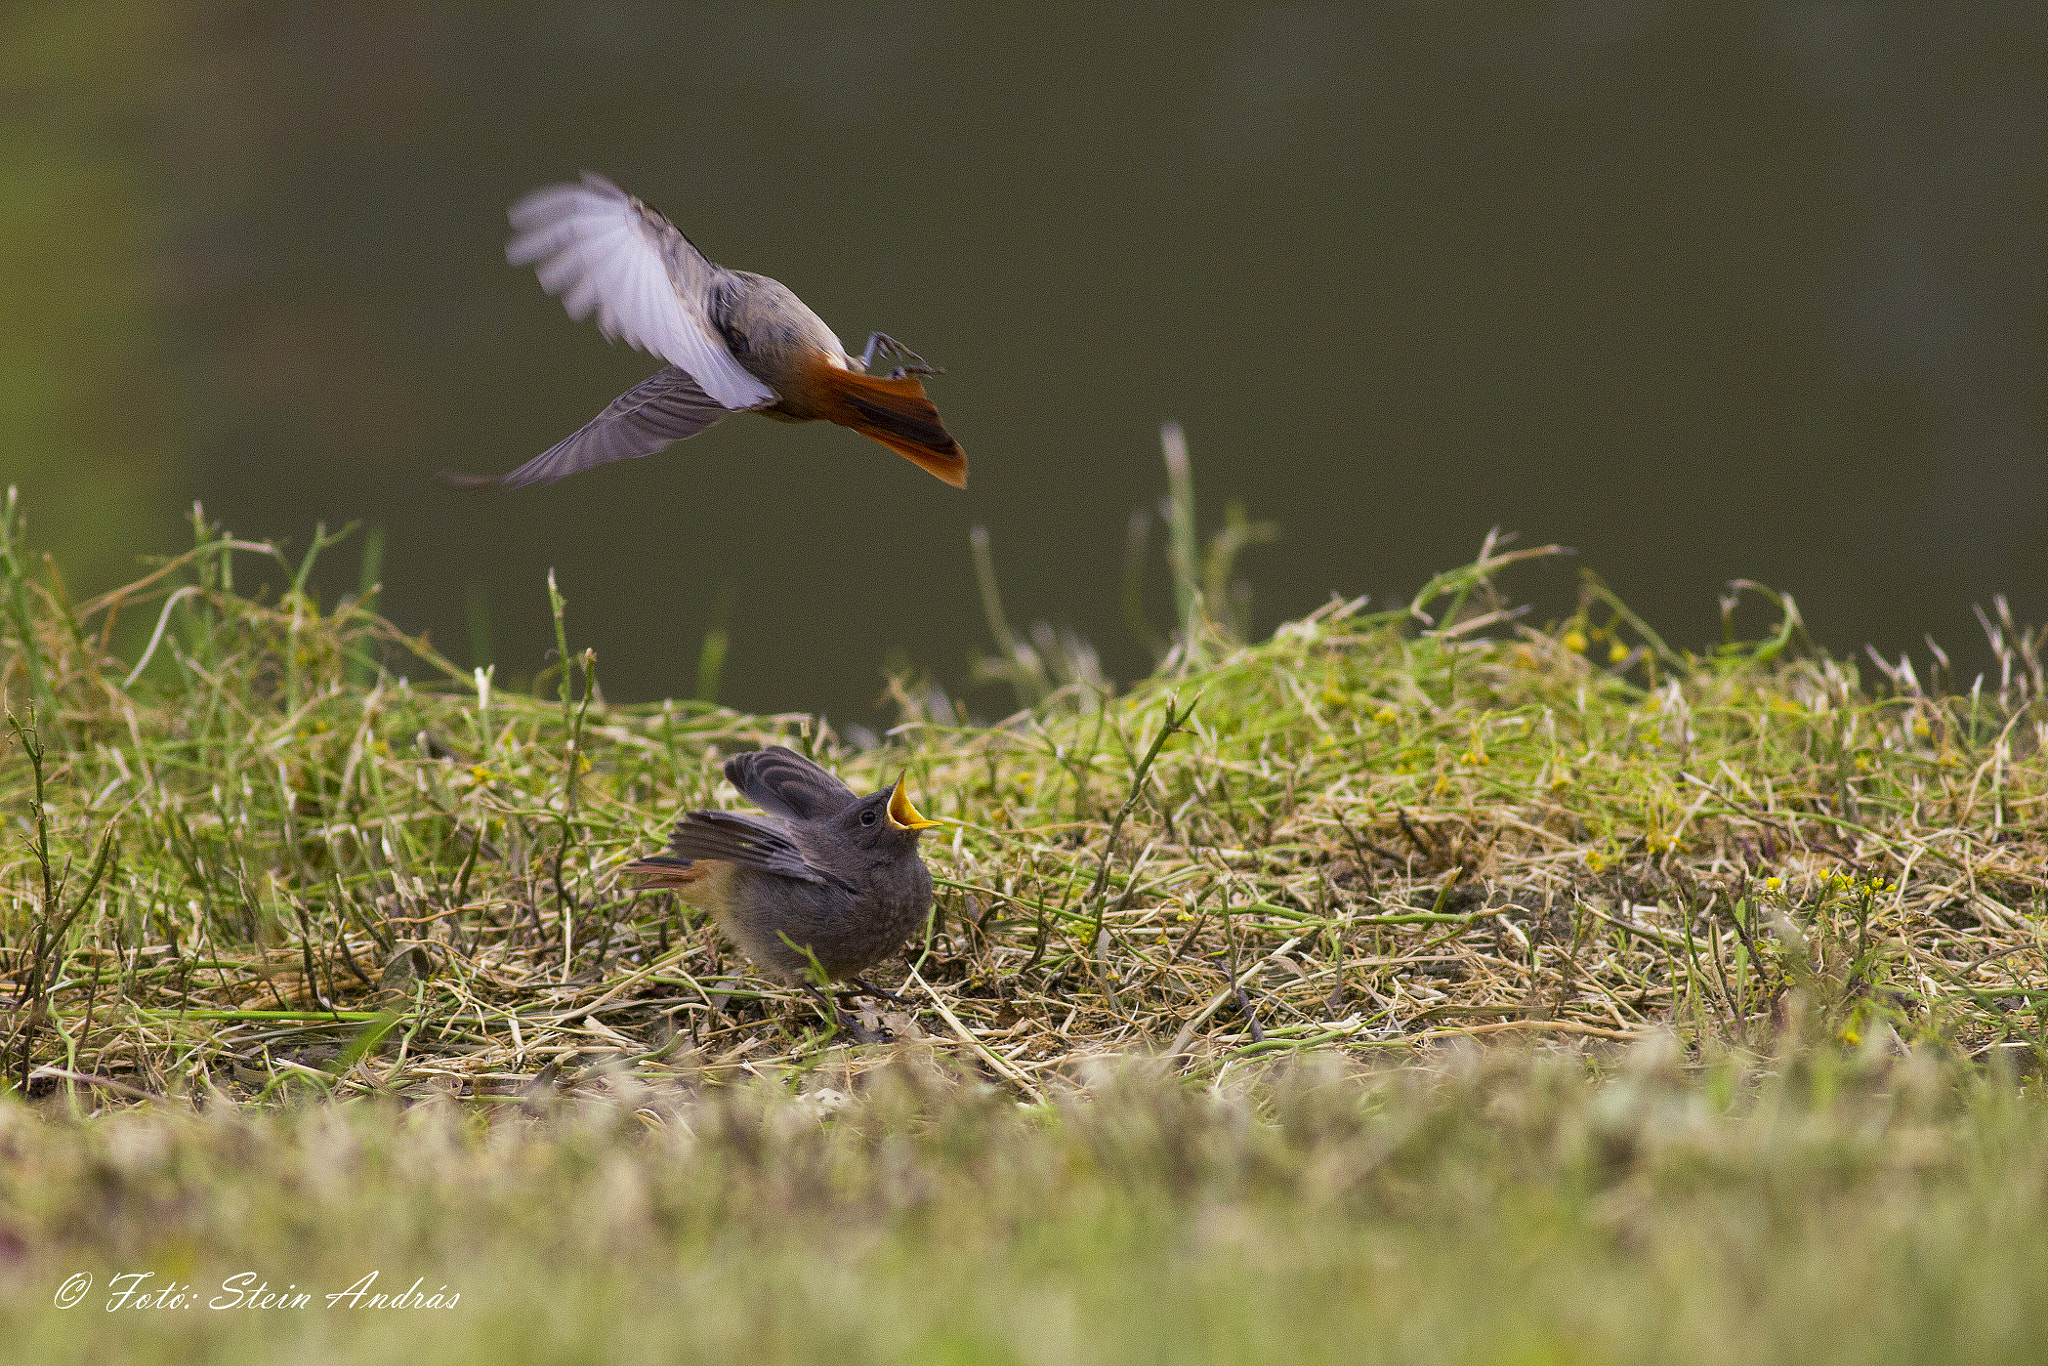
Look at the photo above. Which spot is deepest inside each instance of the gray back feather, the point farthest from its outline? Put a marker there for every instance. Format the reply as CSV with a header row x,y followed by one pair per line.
x,y
782,781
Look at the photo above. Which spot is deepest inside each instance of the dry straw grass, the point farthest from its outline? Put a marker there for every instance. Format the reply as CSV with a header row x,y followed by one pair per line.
x,y
284,849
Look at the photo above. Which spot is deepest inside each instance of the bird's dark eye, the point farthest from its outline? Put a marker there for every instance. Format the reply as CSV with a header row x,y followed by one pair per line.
x,y
867,818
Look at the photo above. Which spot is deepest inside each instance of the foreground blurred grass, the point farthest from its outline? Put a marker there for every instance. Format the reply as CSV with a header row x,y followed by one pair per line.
x,y
315,961
1488,1208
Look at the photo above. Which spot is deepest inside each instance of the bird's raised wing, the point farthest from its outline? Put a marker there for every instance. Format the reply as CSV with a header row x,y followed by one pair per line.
x,y
748,841
665,407
784,782
603,251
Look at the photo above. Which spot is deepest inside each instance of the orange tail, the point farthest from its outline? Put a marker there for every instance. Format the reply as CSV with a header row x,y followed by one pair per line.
x,y
896,413
660,870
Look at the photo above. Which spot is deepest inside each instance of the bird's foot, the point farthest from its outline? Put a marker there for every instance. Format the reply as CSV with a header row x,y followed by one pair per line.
x,y
882,344
863,987
845,1021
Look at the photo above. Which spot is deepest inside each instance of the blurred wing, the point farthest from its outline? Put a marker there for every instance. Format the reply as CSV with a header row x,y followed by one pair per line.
x,y
748,841
665,407
784,782
604,252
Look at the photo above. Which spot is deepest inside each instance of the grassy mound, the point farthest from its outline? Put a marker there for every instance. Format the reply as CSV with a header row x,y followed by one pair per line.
x,y
283,849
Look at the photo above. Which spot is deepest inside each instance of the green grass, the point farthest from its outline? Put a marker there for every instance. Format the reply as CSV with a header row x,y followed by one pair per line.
x,y
287,849
314,954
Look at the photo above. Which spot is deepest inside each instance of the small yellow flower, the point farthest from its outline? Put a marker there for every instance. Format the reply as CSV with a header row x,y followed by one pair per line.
x,y
1921,728
1772,884
1573,640
1334,698
1617,652
1865,764
478,773
1595,860
1386,716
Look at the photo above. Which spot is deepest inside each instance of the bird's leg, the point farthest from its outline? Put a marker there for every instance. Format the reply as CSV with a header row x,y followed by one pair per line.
x,y
841,1019
875,339
889,346
863,987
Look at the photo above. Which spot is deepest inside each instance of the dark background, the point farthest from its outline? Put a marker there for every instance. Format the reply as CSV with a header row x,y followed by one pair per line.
x,y
1705,292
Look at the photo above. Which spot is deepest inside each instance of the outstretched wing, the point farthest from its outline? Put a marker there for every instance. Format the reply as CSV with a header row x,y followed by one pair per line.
x,y
603,251
784,782
748,841
665,407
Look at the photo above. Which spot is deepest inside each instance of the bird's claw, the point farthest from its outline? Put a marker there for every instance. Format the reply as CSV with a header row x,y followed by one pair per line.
x,y
863,987
845,1021
881,343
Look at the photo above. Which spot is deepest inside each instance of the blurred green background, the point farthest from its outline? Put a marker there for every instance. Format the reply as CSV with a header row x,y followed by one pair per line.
x,y
1704,291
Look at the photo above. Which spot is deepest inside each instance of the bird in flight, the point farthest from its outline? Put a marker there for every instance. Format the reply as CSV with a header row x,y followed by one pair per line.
x,y
735,342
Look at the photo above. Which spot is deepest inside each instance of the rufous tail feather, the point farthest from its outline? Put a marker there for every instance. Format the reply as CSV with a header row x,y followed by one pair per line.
x,y
663,870
896,413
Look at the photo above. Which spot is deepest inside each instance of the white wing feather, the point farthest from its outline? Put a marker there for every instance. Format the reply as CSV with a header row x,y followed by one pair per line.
x,y
602,251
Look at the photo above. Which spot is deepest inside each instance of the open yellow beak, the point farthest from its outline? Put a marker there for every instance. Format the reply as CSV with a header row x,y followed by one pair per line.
x,y
903,815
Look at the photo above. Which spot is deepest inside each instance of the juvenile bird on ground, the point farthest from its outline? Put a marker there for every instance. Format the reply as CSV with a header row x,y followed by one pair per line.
x,y
825,875
735,342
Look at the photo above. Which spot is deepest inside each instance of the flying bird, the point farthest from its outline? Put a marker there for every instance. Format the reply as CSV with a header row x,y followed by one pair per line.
x,y
735,342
